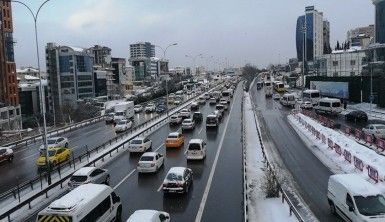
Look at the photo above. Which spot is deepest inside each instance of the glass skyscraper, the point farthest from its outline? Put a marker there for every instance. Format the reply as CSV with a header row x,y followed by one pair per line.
x,y
309,37
380,21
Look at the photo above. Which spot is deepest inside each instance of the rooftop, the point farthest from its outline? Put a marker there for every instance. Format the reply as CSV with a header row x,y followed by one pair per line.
x,y
356,184
84,171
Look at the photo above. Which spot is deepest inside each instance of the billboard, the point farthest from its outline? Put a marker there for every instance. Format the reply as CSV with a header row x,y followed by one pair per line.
x,y
332,89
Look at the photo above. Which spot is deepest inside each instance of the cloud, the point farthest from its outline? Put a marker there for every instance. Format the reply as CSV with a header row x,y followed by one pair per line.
x,y
94,16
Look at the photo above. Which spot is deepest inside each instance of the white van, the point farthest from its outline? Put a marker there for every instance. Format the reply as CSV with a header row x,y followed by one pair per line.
x,y
328,105
288,99
88,202
196,150
312,96
268,89
355,199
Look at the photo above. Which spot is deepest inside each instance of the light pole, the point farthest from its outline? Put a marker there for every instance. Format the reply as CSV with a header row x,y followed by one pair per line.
x,y
41,90
194,58
164,56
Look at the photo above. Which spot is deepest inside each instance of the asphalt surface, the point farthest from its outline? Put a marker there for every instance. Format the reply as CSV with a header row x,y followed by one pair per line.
x,y
310,175
23,168
224,192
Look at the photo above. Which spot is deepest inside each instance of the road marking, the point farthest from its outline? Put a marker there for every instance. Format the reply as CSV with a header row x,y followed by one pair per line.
x,y
200,130
124,179
29,156
160,187
159,147
198,218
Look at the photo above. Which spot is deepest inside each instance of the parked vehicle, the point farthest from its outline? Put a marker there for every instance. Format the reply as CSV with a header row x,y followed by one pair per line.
x,y
174,140
288,99
140,144
356,116
184,113
197,117
138,108
355,199
149,216
150,162
6,154
194,106
188,124
150,107
86,175
328,105
55,156
175,120
55,142
123,125
124,110
377,130
212,121
178,180
88,202
196,150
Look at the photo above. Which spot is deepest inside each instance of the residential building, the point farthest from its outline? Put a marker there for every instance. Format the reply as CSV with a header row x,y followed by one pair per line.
x,y
177,71
142,49
27,71
159,67
140,59
341,63
326,37
313,22
361,36
70,75
101,55
29,94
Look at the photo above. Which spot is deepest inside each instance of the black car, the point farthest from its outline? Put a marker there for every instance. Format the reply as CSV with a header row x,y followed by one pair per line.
x,y
160,109
356,116
194,106
197,117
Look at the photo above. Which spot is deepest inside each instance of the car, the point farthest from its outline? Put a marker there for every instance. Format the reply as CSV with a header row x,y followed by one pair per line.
x,y
123,125
206,96
174,140
110,118
377,130
196,150
149,216
219,114
86,175
276,96
184,113
188,124
194,106
139,144
175,120
177,102
178,180
220,108
212,121
150,162
161,109
55,142
213,101
356,116
55,157
306,105
150,107
201,100
197,117
138,108
6,154
224,103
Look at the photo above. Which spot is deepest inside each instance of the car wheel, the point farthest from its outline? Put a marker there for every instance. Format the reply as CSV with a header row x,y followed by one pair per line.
x,y
66,145
332,208
10,159
107,181
119,215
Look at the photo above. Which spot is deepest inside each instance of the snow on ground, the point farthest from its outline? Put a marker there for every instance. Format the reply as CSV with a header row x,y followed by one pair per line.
x,y
337,163
376,113
259,207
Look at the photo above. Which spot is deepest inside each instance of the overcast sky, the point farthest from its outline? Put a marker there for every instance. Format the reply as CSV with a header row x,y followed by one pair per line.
x,y
253,31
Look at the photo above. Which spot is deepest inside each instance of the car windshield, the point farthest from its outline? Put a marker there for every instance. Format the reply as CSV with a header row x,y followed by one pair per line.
x,y
211,120
137,141
146,158
51,141
50,153
122,123
172,136
380,127
194,146
173,176
78,179
370,205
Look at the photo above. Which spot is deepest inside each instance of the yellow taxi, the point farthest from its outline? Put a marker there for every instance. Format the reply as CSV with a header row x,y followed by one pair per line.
x,y
55,156
174,140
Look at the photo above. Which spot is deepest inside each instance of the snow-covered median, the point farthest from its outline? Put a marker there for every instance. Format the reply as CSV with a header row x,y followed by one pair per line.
x,y
339,152
259,207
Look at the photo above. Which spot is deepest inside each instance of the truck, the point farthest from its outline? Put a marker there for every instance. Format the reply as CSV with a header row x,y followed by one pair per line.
x,y
124,110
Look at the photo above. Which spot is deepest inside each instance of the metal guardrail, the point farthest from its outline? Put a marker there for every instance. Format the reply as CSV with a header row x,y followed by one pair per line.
x,y
72,163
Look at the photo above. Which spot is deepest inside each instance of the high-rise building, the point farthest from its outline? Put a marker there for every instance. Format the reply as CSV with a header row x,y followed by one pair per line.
x,y
380,21
313,23
326,37
142,49
101,54
70,75
140,59
361,36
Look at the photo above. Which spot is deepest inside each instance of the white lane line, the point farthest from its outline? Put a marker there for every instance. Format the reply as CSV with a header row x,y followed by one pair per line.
x,y
198,218
200,130
124,179
160,187
29,156
159,147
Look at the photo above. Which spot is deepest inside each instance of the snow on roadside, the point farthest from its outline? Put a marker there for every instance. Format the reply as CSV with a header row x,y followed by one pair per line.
x,y
337,163
375,114
259,207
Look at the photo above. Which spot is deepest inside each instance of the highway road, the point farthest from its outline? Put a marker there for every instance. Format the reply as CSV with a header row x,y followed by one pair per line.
x,y
310,175
217,180
23,168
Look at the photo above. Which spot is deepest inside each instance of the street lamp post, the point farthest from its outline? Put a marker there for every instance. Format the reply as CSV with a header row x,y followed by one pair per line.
x,y
194,58
164,56
41,93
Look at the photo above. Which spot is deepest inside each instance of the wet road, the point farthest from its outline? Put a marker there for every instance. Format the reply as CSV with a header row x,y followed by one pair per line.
x,y
217,180
310,175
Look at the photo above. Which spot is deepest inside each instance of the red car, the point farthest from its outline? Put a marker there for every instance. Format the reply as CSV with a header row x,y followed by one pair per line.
x,y
6,154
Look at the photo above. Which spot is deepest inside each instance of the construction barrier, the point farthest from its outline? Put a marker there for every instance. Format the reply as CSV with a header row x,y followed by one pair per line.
x,y
323,138
357,134
358,164
348,130
373,173
348,156
338,149
381,144
369,139
330,143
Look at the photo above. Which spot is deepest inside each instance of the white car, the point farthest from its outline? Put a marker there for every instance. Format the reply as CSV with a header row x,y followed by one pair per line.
x,y
150,162
149,216
188,124
196,150
89,175
377,130
150,108
184,113
207,96
175,120
224,103
123,125
55,142
140,144
138,108
177,102
306,105
6,154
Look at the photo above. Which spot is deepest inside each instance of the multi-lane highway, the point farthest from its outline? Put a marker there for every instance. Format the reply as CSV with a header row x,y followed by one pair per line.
x,y
217,180
310,175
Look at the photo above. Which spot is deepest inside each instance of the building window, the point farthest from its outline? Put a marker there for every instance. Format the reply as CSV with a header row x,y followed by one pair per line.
x,y
64,63
335,63
335,74
352,62
352,73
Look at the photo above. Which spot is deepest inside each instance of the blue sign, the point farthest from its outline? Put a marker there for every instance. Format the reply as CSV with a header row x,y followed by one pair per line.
x,y
331,89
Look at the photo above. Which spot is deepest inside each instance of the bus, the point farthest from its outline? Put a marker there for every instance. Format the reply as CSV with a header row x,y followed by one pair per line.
x,y
312,96
279,87
268,89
